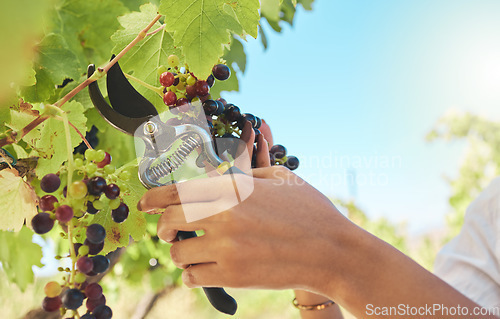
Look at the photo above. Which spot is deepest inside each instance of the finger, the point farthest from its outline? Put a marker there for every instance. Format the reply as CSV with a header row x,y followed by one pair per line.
x,y
191,251
266,130
276,172
173,220
199,190
204,275
263,159
248,136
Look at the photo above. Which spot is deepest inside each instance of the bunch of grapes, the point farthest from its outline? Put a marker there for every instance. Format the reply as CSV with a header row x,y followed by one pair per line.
x,y
72,207
224,119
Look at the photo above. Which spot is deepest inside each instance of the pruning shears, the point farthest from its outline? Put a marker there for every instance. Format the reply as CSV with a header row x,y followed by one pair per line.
x,y
133,114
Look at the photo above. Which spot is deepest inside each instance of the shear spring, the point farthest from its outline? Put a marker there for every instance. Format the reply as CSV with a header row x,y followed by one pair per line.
x,y
174,161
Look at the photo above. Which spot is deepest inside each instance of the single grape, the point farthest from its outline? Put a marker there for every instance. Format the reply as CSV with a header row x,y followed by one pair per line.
x,y
251,118
88,316
93,291
105,161
90,154
42,223
78,162
51,304
101,264
182,101
173,60
77,189
96,185
109,169
99,156
170,98
232,113
98,204
47,202
222,100
191,80
114,203
292,162
191,91
93,303
210,80
94,249
112,191
52,289
102,312
84,264
120,214
96,233
220,108
221,72
278,150
50,183
72,299
161,69
64,213
210,107
83,250
80,278
167,79
202,88
91,168
258,122
77,246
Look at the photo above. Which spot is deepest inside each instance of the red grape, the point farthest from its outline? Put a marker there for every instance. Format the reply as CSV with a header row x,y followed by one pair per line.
x,y
46,203
167,79
50,183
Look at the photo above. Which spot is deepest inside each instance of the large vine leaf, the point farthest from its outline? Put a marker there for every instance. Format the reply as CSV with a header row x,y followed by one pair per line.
x,y
203,28
55,62
118,235
18,254
18,201
52,145
146,57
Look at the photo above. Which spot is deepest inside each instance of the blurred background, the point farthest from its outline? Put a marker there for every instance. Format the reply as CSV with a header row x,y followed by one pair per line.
x,y
391,106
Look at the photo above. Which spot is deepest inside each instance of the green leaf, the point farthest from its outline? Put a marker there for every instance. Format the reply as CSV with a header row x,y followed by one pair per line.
x,y
202,28
52,145
307,4
55,62
118,235
18,201
18,254
87,26
148,55
271,9
18,120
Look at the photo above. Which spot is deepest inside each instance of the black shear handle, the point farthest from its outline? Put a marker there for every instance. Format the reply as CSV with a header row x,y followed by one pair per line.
x,y
218,297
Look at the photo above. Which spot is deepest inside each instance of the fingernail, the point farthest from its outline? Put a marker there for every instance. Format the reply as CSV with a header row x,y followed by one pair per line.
x,y
139,205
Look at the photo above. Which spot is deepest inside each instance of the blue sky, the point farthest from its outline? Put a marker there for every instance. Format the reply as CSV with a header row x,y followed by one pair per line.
x,y
354,87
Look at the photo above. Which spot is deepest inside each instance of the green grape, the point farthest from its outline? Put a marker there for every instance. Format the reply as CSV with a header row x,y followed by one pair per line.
x,y
172,88
80,278
83,250
114,203
91,168
109,169
90,154
221,131
77,190
161,69
78,162
125,175
191,80
52,289
173,60
77,204
98,204
100,155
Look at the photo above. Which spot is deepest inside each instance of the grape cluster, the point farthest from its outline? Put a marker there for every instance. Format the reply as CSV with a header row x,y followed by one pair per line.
x,y
73,207
225,120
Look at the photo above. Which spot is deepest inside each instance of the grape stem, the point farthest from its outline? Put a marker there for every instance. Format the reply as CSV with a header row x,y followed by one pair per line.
x,y
156,31
158,90
99,73
76,130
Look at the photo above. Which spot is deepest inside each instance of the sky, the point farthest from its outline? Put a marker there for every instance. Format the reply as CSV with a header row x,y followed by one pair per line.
x,y
353,88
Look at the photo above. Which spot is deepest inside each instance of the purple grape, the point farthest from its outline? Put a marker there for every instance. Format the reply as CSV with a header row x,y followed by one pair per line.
x,y
42,223
94,249
120,214
232,112
102,312
84,264
221,72
51,304
64,213
292,163
50,183
96,233
278,150
112,191
251,118
96,185
47,202
91,209
88,316
210,107
101,264
93,303
93,291
210,80
72,299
